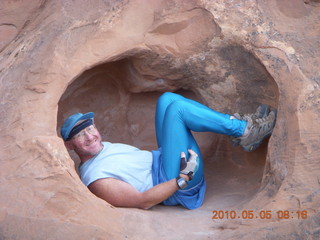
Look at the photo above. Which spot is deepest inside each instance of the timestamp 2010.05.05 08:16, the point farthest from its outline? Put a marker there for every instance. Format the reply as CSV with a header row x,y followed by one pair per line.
x,y
262,214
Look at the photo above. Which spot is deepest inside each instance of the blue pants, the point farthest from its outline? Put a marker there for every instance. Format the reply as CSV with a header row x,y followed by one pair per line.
x,y
176,117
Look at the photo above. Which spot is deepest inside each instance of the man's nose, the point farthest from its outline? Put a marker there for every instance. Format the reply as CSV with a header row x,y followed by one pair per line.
x,y
89,136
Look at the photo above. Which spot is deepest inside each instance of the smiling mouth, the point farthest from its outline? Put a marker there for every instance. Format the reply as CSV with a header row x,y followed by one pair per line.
x,y
91,143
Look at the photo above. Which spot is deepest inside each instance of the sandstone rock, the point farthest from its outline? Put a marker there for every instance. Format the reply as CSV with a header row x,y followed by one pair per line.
x,y
115,58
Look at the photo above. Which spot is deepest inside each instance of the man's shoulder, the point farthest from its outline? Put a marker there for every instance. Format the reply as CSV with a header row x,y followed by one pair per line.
x,y
119,147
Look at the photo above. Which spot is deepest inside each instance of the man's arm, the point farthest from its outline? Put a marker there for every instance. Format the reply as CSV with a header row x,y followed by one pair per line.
x,y
122,194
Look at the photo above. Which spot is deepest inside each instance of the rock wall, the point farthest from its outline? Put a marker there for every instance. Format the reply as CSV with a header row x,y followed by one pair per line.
x,y
115,58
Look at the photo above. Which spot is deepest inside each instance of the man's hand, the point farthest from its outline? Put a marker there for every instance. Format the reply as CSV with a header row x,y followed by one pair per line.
x,y
191,166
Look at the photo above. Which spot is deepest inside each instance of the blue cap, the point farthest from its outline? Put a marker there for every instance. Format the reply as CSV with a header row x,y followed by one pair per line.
x,y
71,121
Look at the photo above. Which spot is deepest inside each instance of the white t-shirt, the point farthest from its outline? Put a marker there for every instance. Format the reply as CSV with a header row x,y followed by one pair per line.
x,y
120,161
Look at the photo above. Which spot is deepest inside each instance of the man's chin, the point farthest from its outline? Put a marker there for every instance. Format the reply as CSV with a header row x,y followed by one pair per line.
x,y
95,149
89,151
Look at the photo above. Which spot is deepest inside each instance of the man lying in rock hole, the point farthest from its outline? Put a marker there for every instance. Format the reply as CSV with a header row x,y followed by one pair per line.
x,y
126,176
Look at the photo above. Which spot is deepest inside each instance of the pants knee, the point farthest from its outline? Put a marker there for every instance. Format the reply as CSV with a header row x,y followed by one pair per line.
x,y
166,99
167,96
176,107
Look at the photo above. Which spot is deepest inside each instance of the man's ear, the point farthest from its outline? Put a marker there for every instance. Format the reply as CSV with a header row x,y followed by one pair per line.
x,y
68,145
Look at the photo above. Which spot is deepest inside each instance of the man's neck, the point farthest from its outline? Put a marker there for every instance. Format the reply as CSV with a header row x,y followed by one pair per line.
x,y
85,158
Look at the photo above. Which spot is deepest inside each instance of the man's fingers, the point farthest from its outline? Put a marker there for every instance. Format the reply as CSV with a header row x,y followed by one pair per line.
x,y
192,152
183,161
191,165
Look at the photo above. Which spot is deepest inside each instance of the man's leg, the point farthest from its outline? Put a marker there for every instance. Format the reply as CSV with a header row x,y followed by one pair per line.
x,y
165,100
175,117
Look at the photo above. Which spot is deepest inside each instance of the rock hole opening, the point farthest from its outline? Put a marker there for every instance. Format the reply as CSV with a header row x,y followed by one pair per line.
x,y
125,114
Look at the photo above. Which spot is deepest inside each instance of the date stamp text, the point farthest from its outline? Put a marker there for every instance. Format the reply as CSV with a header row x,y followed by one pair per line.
x,y
260,214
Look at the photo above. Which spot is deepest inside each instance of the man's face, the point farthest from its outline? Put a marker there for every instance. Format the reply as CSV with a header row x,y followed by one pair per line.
x,y
86,143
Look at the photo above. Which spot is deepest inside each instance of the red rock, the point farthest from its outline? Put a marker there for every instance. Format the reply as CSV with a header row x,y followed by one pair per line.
x,y
115,58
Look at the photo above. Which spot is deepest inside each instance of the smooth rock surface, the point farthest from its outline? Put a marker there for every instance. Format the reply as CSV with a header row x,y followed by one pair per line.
x,y
115,58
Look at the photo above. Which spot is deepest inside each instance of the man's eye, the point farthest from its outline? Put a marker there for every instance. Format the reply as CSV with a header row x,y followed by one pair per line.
x,y
80,134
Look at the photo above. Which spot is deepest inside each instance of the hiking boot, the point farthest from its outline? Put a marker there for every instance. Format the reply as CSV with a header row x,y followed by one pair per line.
x,y
261,112
258,130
